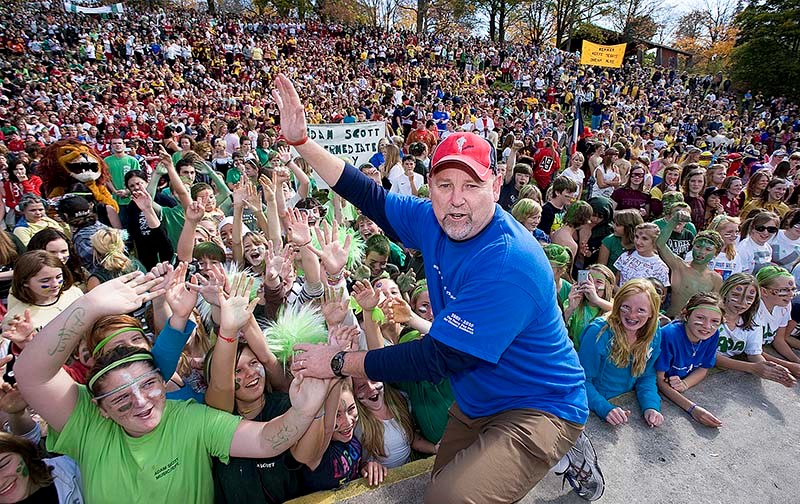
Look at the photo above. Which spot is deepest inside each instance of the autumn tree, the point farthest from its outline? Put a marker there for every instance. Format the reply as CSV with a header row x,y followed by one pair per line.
x,y
708,33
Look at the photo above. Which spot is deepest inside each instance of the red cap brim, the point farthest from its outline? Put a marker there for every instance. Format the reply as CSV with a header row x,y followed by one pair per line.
x,y
462,162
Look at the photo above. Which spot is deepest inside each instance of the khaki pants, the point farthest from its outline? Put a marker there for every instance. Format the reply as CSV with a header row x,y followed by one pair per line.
x,y
497,459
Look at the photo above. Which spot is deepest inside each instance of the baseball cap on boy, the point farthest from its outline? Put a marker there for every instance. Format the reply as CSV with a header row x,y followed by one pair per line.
x,y
466,150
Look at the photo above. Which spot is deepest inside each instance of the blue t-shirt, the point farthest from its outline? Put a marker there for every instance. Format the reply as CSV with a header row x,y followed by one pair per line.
x,y
679,356
494,298
441,116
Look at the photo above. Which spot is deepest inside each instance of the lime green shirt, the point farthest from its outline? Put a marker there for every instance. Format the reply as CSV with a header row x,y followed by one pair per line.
x,y
170,464
118,167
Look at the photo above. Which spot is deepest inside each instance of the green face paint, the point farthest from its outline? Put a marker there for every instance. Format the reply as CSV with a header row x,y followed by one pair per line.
x,y
237,384
22,468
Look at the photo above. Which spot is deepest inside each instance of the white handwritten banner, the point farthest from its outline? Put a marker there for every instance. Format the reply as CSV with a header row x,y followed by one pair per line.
x,y
356,141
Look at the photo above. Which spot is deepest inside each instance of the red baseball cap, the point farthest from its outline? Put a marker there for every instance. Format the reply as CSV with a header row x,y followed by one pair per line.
x,y
466,150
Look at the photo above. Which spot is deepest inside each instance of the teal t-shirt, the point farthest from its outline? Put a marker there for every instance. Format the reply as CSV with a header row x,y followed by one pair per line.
x,y
615,249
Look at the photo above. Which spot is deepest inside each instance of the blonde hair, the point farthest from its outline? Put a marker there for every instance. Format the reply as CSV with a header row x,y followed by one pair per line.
x,y
623,353
718,222
526,208
199,345
372,441
109,250
648,228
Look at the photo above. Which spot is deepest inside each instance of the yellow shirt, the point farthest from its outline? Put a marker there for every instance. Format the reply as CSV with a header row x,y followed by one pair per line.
x,y
41,315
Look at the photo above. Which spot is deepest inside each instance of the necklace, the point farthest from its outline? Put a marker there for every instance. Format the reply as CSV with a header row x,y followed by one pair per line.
x,y
695,347
259,405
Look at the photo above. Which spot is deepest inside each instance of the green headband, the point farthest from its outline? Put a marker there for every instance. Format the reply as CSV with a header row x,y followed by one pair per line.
x,y
117,363
108,338
768,273
711,307
422,286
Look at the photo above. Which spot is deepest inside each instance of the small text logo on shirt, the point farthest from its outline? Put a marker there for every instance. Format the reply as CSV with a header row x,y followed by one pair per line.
x,y
459,323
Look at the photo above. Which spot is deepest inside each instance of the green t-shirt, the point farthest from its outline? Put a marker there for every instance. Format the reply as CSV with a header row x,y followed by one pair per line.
x,y
578,321
615,249
118,167
233,176
173,219
429,405
563,292
170,464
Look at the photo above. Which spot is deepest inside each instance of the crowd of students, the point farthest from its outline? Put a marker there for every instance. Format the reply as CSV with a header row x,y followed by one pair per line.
x,y
673,232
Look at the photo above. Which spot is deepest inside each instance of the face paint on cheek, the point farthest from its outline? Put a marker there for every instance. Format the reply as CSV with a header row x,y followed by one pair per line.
x,y
22,468
125,408
237,384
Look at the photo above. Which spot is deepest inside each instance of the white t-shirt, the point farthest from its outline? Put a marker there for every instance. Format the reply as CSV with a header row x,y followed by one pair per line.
x,y
733,342
771,322
401,184
785,252
577,176
633,265
396,444
752,255
721,264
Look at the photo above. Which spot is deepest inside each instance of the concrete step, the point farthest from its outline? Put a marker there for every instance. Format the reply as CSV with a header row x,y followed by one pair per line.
x,y
750,459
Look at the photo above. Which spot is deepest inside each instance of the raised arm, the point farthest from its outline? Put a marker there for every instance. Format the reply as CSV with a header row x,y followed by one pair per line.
x,y
175,183
194,214
239,195
45,385
368,300
667,255
272,227
303,182
295,130
223,193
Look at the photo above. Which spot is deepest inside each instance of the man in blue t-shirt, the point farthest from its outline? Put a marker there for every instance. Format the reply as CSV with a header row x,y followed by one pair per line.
x,y
498,333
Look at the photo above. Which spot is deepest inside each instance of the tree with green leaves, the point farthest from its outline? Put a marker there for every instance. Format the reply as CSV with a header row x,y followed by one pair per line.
x,y
766,57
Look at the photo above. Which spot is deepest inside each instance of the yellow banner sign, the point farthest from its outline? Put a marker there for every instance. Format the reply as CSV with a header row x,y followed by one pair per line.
x,y
602,55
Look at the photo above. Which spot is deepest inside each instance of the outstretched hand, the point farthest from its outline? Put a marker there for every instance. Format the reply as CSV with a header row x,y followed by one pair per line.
x,y
332,254
367,297
180,298
20,329
292,112
236,309
123,294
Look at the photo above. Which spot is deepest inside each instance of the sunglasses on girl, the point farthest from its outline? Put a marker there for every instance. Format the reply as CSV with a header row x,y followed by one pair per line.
x,y
771,229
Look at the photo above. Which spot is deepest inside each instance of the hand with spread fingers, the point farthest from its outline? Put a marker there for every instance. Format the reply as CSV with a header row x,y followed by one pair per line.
x,y
335,306
299,230
292,113
194,212
19,329
180,298
345,337
211,283
332,254
236,309
367,297
124,294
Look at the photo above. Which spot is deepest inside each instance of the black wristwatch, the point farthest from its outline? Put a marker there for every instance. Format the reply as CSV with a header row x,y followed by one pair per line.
x,y
337,363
